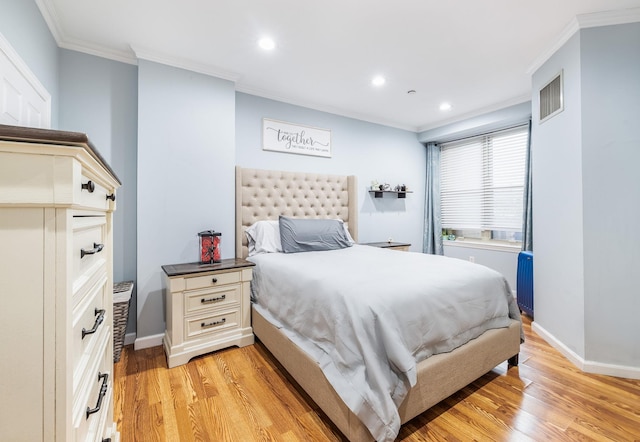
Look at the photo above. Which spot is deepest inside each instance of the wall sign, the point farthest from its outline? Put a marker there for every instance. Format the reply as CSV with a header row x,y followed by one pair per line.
x,y
279,136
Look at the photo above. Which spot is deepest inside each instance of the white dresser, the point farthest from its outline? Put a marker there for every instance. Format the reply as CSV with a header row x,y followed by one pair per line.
x,y
57,196
207,308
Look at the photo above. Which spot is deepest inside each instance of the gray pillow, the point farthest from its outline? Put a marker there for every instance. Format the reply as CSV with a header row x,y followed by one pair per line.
x,y
306,235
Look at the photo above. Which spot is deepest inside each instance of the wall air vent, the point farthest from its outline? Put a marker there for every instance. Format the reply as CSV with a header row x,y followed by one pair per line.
x,y
551,98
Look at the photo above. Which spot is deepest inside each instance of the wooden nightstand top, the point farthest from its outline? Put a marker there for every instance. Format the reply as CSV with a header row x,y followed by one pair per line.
x,y
386,244
196,267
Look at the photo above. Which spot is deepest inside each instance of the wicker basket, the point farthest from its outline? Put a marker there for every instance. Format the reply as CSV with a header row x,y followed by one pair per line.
x,y
120,317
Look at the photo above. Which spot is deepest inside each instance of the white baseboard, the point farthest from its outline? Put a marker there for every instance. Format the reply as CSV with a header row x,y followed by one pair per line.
x,y
594,367
148,341
129,338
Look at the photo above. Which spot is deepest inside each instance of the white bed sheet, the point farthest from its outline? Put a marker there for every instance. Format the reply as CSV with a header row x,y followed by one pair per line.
x,y
368,315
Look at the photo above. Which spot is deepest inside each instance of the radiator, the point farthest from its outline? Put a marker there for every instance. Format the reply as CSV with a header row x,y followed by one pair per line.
x,y
525,282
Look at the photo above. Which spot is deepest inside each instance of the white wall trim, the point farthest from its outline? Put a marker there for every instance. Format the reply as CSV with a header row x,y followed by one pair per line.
x,y
183,63
130,338
586,366
582,21
148,341
26,73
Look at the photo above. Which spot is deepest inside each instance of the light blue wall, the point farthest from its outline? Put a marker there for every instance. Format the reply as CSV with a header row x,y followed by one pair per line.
x,y
586,190
186,160
100,97
557,204
23,27
610,59
369,151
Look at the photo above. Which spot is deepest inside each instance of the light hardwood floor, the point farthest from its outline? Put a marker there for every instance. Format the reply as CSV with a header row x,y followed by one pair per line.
x,y
242,394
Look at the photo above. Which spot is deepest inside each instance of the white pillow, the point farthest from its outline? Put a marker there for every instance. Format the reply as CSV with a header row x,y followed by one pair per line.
x,y
264,237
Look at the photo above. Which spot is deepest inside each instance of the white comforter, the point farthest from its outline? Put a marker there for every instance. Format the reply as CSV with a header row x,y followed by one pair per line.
x,y
368,315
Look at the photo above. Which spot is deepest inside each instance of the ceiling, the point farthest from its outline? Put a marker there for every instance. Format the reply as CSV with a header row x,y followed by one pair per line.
x,y
476,55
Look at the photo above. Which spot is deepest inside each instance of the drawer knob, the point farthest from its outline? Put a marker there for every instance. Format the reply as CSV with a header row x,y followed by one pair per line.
x,y
214,280
112,197
206,301
103,390
99,318
211,324
89,186
97,248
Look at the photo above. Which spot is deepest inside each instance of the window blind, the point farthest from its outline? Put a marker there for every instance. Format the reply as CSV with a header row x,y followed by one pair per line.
x,y
482,181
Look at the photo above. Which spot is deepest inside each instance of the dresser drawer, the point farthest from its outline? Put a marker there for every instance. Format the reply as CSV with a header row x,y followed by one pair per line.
x,y
91,320
212,324
94,398
90,194
88,247
216,297
215,280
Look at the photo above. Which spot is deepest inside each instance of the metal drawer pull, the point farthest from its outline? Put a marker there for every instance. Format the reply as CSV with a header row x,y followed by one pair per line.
x,y
214,280
89,186
211,324
99,319
112,197
97,248
219,298
103,391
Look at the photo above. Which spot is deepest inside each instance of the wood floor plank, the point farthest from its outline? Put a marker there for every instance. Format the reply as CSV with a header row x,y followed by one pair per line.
x,y
245,395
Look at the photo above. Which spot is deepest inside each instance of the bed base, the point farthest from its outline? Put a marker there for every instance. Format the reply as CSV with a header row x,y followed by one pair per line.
x,y
438,376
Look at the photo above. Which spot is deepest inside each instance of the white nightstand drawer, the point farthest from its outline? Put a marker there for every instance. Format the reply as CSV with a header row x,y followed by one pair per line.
x,y
212,298
90,319
218,279
212,324
88,247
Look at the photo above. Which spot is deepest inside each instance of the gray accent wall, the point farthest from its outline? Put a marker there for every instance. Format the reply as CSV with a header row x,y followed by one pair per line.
x,y
23,27
586,193
186,180
369,151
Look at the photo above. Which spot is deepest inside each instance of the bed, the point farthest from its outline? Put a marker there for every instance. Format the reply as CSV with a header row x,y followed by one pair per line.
x,y
266,195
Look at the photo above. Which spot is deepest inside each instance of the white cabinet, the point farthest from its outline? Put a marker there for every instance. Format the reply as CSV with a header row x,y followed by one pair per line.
x,y
56,202
207,308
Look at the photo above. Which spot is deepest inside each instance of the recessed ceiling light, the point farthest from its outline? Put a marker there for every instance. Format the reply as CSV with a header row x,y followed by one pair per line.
x,y
267,44
411,92
378,80
445,107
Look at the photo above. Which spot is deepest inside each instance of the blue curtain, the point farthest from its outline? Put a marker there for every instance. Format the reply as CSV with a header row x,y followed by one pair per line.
x,y
527,223
432,241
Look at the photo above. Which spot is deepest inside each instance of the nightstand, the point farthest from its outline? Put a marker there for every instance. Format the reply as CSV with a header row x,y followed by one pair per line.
x,y
207,308
403,246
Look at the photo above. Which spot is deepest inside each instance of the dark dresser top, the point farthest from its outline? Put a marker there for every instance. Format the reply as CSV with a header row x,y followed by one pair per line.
x,y
196,267
58,137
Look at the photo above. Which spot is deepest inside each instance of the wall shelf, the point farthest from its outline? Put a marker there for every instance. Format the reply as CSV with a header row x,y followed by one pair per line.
x,y
399,193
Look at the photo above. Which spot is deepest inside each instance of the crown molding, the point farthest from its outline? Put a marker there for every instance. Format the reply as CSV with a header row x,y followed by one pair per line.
x,y
323,108
583,21
99,51
477,112
183,63
50,16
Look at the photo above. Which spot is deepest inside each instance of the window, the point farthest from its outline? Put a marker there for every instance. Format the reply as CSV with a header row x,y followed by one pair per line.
x,y
482,185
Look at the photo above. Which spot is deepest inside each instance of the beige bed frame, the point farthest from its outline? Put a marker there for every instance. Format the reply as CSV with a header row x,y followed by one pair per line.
x,y
263,194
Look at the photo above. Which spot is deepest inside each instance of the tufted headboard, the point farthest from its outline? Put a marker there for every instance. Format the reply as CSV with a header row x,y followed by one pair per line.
x,y
267,194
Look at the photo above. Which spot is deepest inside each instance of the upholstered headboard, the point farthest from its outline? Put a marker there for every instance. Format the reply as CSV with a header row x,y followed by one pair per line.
x,y
267,194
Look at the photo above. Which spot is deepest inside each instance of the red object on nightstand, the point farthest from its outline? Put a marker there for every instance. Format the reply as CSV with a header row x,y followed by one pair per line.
x,y
209,246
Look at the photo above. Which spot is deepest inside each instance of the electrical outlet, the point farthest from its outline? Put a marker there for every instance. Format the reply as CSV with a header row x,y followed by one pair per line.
x,y
472,258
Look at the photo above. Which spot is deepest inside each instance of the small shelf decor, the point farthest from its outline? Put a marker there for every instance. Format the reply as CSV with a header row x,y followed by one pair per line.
x,y
379,190
380,193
